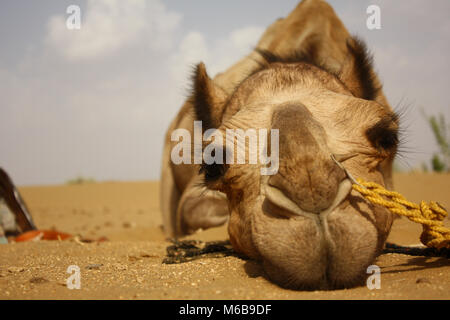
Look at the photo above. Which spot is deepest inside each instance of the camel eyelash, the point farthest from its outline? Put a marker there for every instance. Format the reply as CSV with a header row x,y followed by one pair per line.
x,y
384,134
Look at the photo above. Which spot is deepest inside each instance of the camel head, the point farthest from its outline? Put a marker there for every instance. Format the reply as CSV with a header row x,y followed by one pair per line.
x,y
304,222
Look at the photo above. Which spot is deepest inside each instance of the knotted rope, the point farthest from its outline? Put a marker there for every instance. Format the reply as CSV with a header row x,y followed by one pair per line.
x,y
429,215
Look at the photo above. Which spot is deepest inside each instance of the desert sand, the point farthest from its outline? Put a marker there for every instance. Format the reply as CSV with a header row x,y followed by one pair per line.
x,y
129,265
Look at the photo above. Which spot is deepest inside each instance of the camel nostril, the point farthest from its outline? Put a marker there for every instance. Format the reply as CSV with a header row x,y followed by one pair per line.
x,y
338,158
277,197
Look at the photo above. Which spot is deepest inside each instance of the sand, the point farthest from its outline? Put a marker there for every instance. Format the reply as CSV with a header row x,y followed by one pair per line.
x,y
129,265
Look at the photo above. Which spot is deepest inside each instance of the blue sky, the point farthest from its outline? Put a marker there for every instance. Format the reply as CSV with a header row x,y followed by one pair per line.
x,y
96,102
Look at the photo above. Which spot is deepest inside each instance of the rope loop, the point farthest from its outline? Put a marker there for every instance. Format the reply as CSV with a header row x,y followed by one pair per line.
x,y
430,215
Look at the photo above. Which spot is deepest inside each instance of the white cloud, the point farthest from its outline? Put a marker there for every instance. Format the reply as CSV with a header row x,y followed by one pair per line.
x,y
238,44
109,25
94,103
192,50
218,55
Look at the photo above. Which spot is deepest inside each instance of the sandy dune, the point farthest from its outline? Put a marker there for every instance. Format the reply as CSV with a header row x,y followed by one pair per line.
x,y
129,265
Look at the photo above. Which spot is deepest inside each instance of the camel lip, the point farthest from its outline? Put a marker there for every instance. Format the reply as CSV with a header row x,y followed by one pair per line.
x,y
277,197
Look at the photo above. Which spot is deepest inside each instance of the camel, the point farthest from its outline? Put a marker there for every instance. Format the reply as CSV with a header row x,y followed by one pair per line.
x,y
314,82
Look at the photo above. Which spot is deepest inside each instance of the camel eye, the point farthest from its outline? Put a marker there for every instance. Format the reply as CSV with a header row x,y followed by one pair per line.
x,y
388,140
212,171
384,134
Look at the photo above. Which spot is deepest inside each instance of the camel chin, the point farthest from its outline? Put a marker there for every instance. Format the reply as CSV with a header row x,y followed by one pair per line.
x,y
309,251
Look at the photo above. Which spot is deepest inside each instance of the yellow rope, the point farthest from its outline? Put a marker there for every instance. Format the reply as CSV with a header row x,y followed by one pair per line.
x,y
429,215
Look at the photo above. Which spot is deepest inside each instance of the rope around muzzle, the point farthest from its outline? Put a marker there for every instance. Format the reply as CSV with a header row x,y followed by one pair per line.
x,y
430,215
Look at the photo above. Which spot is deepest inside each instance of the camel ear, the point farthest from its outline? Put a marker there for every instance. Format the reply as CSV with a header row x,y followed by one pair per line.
x,y
313,32
208,99
358,74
